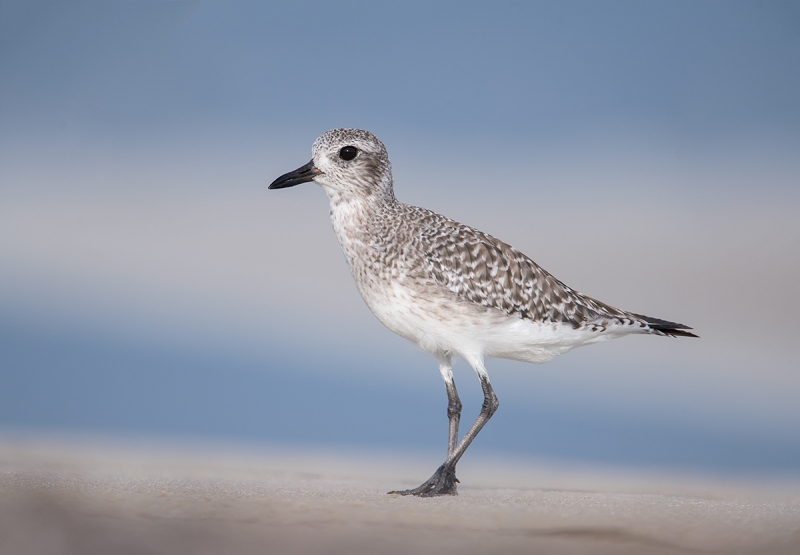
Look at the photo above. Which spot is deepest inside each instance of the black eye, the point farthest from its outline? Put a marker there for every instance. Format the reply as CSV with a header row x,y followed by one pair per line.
x,y
348,152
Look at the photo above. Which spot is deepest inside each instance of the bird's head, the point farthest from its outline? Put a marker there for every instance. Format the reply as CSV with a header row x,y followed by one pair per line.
x,y
347,163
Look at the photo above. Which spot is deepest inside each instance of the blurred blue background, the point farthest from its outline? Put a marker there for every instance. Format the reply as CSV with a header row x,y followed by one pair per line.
x,y
646,153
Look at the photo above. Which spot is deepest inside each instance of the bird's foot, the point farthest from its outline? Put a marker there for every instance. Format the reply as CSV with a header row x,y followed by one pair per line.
x,y
443,482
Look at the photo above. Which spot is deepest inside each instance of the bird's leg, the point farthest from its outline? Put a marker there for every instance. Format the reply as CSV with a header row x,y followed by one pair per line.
x,y
453,415
448,486
490,404
443,481
453,402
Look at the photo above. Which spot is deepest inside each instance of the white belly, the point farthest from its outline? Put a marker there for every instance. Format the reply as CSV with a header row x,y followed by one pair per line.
x,y
439,323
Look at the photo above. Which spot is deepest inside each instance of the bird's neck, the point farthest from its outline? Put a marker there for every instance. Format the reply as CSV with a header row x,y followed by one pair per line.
x,y
359,212
361,222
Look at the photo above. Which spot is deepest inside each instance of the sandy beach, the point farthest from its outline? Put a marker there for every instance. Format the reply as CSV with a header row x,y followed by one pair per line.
x,y
94,498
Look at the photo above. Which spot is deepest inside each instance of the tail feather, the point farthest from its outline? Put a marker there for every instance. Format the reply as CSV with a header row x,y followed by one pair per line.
x,y
666,327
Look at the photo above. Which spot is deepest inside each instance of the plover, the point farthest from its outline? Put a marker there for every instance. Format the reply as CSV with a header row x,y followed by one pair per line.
x,y
450,288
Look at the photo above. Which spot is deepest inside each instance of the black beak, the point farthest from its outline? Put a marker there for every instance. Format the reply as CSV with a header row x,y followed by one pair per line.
x,y
298,176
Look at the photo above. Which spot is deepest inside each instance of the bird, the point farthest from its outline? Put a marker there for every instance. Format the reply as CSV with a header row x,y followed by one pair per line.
x,y
449,288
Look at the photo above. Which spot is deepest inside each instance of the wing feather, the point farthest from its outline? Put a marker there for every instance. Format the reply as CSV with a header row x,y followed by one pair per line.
x,y
482,269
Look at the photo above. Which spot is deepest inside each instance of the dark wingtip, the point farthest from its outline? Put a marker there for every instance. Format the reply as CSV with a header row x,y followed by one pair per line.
x,y
665,326
677,333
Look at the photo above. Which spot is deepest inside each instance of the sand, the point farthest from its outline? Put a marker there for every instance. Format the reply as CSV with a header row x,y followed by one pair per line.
x,y
62,497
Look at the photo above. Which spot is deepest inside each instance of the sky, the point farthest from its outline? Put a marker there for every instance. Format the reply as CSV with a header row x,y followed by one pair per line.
x,y
645,153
